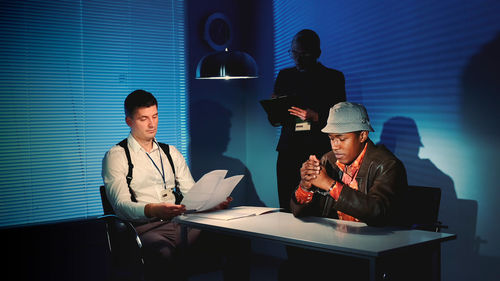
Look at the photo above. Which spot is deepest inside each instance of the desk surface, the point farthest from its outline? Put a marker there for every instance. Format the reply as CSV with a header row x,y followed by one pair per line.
x,y
322,234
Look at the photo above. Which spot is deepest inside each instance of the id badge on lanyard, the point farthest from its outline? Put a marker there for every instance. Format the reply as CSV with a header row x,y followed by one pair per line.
x,y
167,195
302,125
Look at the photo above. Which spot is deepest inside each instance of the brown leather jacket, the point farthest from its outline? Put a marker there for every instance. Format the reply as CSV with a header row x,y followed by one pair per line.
x,y
381,182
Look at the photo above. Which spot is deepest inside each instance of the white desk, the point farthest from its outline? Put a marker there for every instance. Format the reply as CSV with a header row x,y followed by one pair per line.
x,y
322,234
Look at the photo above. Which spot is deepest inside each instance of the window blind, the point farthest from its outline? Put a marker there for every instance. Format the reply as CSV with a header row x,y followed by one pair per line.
x,y
65,70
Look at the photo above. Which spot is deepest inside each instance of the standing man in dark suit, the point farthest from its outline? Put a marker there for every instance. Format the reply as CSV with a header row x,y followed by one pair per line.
x,y
316,88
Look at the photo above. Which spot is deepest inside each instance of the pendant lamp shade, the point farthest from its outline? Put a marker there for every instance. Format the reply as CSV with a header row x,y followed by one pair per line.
x,y
227,65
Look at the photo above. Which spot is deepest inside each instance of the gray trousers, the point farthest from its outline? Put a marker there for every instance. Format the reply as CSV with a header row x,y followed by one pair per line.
x,y
206,251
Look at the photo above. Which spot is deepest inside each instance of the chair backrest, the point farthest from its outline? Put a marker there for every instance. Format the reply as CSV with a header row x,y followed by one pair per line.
x,y
420,208
123,241
106,206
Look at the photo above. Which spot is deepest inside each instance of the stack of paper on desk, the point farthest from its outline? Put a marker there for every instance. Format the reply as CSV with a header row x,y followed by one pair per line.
x,y
209,191
236,212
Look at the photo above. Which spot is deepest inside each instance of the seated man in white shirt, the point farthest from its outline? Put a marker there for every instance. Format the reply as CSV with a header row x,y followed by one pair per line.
x,y
148,199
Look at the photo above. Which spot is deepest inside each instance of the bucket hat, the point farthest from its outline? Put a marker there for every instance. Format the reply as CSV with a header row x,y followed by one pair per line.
x,y
347,117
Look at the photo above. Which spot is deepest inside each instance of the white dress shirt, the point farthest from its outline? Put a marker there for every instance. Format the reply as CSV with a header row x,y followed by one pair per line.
x,y
147,182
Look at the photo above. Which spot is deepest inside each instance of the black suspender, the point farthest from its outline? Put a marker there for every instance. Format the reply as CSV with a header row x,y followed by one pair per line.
x,y
166,149
177,193
123,144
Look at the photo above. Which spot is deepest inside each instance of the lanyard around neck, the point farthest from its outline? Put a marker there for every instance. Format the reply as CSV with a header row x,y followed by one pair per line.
x,y
162,172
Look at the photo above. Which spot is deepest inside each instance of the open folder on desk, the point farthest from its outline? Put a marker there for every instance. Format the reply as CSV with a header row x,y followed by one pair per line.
x,y
236,212
209,191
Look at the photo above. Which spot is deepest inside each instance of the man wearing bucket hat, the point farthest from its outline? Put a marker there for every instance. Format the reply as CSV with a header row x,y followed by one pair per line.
x,y
357,180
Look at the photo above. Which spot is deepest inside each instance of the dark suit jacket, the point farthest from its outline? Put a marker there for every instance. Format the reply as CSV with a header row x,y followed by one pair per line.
x,y
317,89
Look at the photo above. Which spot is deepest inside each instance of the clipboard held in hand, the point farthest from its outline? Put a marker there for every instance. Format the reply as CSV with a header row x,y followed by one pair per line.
x,y
277,108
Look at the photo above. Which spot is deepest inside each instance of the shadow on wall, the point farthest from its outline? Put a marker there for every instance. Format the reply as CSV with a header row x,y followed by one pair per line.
x,y
481,92
210,135
400,135
480,111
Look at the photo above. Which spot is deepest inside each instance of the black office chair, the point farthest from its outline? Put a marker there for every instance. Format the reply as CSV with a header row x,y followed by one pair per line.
x,y
420,208
125,248
124,244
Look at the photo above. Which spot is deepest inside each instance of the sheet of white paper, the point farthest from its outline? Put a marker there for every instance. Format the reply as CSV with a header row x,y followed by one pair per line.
x,y
210,191
226,214
221,192
202,190
255,209
224,189
236,212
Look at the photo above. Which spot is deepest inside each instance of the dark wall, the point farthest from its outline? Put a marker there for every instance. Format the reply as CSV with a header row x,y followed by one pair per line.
x,y
218,119
58,251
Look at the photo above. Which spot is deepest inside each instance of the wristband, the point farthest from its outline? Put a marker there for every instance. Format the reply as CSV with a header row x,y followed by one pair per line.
x,y
304,189
303,196
335,190
332,186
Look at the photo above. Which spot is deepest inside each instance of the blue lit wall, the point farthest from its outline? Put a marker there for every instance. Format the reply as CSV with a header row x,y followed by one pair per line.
x,y
65,70
427,71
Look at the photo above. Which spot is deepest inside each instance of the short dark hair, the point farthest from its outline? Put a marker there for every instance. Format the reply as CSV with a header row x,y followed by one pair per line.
x,y
309,40
136,99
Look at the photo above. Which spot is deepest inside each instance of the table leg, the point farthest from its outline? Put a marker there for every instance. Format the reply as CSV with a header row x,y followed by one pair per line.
x,y
184,238
436,263
373,269
183,252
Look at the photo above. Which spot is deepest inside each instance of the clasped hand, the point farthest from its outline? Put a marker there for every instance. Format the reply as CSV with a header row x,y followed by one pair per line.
x,y
312,173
